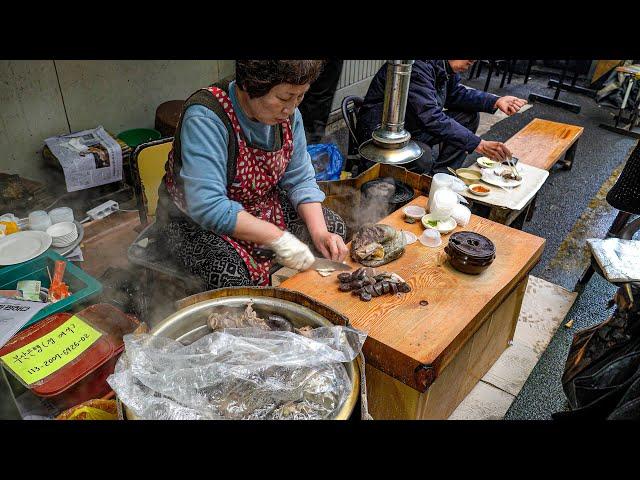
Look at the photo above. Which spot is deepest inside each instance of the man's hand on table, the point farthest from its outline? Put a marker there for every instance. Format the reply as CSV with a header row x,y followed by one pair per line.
x,y
509,104
494,150
331,246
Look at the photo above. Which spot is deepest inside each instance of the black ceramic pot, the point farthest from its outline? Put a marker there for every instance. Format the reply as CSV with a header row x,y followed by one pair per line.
x,y
470,252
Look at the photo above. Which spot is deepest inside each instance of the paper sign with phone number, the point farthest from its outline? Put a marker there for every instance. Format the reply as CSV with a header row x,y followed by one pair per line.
x,y
51,352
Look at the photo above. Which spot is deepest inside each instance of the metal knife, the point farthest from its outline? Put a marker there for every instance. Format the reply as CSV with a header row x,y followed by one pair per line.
x,y
266,254
326,263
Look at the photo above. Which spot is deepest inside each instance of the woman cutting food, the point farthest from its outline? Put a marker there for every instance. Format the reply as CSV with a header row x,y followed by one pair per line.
x,y
239,179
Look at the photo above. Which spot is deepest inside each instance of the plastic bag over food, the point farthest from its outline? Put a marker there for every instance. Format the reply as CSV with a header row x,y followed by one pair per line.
x,y
238,373
327,160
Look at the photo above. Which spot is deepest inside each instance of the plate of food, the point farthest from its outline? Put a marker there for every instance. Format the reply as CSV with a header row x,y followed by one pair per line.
x,y
486,162
443,226
502,176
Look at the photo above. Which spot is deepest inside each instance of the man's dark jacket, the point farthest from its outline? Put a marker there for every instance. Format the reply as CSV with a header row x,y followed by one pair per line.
x,y
433,87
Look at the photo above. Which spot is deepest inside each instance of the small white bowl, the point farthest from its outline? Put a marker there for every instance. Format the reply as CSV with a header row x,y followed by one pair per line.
x,y
63,233
480,194
414,212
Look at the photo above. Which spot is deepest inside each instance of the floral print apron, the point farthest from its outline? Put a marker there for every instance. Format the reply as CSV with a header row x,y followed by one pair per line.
x,y
257,175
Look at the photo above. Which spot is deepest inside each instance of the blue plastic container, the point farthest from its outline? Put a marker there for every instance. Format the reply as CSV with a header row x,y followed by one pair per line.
x,y
83,287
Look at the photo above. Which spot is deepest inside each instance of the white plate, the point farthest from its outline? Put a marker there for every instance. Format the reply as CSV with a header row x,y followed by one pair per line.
x,y
444,226
492,177
486,162
22,246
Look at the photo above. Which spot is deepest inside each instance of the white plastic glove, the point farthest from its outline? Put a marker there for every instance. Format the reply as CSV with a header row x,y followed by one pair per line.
x,y
292,253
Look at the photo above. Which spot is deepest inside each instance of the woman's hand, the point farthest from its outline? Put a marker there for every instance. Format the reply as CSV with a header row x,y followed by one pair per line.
x,y
292,253
331,246
328,244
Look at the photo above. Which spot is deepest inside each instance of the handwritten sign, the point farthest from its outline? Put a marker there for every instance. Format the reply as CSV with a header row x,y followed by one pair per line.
x,y
50,353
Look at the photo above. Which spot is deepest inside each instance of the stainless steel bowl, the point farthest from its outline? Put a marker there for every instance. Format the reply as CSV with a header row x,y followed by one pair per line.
x,y
190,323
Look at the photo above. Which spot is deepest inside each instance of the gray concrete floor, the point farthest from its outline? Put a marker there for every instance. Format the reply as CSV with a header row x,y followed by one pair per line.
x,y
570,208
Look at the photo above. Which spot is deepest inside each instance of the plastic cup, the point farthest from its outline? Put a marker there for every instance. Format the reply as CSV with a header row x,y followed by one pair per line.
x,y
61,214
444,201
8,217
39,220
461,215
431,238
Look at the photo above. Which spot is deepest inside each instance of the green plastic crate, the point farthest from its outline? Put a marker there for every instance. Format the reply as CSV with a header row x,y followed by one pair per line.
x,y
82,286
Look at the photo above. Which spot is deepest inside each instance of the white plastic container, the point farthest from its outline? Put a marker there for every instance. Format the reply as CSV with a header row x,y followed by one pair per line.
x,y
444,201
461,215
440,180
39,220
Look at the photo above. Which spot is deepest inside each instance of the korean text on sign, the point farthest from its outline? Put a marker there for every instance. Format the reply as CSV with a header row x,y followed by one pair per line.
x,y
49,353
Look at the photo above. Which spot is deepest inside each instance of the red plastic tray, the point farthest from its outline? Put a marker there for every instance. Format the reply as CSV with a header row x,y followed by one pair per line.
x,y
85,377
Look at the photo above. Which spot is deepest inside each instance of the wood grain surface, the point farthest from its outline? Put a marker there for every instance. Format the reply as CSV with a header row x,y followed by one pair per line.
x,y
413,342
542,143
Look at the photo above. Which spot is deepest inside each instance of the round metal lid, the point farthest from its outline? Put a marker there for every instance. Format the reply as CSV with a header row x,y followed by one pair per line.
x,y
473,245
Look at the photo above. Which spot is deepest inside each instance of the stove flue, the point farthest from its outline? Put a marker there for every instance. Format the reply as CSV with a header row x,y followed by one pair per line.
x,y
391,143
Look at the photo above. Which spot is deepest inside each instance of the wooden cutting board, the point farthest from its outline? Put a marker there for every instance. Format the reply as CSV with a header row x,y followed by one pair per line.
x,y
405,336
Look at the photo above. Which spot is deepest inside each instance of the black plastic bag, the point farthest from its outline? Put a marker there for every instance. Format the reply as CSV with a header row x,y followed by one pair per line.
x,y
602,373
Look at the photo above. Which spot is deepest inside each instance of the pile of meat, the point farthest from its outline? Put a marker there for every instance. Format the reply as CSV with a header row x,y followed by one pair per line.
x,y
226,317
376,244
366,283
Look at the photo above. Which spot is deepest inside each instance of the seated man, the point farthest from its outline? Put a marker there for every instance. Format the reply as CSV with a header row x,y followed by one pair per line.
x,y
435,87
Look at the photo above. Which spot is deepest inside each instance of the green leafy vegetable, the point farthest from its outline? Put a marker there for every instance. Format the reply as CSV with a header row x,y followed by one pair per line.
x,y
432,223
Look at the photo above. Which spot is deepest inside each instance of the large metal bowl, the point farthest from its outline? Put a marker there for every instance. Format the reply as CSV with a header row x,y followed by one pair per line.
x,y
190,323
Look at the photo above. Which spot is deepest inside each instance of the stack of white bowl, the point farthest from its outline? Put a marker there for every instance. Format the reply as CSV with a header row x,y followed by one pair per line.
x,y
63,234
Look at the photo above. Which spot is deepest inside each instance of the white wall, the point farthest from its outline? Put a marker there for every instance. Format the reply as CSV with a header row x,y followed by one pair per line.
x,y
39,99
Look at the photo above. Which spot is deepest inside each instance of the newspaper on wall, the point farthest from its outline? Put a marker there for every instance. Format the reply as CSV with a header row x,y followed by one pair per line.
x,y
88,158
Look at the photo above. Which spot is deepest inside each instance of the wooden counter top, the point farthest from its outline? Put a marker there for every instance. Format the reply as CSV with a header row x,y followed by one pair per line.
x,y
411,342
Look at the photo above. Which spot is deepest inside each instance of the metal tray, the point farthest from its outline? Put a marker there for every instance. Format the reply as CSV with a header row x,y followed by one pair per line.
x,y
190,323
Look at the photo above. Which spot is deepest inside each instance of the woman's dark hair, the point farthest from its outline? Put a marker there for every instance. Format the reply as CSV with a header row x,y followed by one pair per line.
x,y
257,77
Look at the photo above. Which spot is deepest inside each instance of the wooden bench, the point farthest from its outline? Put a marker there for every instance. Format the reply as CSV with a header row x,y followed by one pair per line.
x,y
543,143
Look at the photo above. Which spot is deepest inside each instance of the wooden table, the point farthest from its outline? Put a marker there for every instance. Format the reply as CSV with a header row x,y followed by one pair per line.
x,y
423,359
542,144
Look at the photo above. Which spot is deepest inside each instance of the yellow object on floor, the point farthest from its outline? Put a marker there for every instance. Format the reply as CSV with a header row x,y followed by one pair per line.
x,y
98,409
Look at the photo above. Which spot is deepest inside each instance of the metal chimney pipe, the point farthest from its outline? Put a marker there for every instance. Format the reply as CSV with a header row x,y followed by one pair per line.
x,y
391,143
392,133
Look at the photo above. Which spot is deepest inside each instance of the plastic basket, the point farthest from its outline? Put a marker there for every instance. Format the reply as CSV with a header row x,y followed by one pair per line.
x,y
137,136
83,286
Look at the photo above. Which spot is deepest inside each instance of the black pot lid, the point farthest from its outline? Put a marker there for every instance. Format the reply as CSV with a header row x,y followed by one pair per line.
x,y
472,245
403,192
